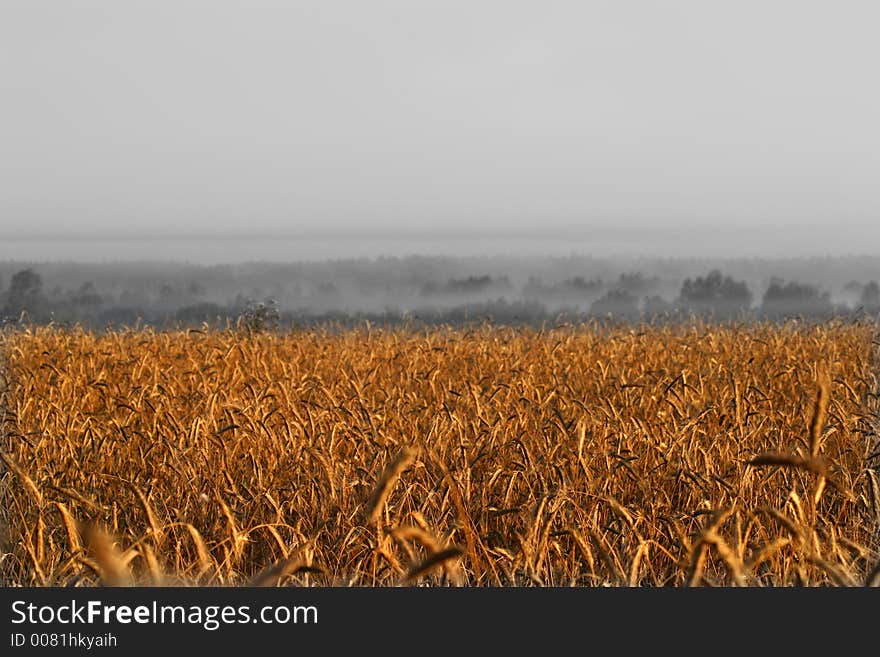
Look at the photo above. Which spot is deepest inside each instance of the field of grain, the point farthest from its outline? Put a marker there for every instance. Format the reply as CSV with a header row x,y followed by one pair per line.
x,y
653,456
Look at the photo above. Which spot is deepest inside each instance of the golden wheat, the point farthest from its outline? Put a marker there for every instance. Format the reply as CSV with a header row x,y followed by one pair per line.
x,y
673,455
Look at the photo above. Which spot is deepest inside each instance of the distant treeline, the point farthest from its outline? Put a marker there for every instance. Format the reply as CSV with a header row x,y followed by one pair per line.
x,y
453,300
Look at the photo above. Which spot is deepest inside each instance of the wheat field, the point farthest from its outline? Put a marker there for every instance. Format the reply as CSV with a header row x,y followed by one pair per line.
x,y
693,454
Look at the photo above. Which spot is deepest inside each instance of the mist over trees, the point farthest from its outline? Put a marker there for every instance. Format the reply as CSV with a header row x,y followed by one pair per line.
x,y
571,292
617,302
25,296
789,298
865,296
870,297
467,286
437,290
715,294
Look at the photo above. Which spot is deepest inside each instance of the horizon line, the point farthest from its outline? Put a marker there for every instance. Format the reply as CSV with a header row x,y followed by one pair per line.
x,y
550,234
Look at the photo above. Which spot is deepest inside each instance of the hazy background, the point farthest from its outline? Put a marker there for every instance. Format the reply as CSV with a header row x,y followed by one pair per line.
x,y
227,131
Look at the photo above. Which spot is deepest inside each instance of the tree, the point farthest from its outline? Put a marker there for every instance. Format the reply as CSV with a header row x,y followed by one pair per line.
x,y
618,303
715,294
636,283
655,306
87,295
26,295
793,298
870,297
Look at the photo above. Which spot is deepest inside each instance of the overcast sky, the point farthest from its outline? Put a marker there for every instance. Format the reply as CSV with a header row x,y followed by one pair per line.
x,y
427,119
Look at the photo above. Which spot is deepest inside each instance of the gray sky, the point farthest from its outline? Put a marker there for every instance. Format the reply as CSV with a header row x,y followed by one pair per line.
x,y
436,119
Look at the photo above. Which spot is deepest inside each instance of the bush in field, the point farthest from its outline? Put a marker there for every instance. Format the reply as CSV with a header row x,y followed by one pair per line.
x,y
259,316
